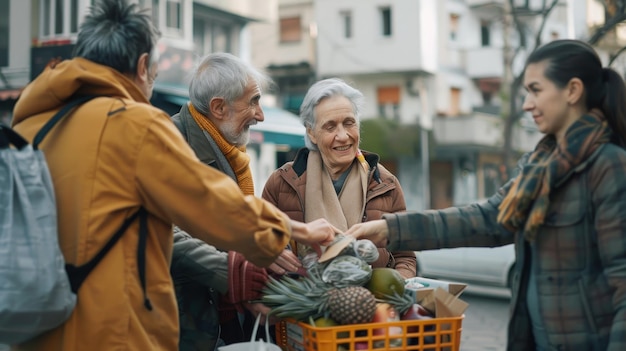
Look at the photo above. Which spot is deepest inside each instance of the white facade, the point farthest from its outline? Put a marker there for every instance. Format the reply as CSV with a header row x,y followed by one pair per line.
x,y
368,48
18,69
267,48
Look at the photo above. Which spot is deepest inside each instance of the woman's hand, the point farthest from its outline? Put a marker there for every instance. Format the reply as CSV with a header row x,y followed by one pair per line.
x,y
315,233
377,231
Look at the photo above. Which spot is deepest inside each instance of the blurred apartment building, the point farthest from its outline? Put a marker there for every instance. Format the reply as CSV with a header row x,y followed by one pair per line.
x,y
431,72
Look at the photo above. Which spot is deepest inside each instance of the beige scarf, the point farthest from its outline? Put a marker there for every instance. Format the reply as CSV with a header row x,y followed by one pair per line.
x,y
236,156
321,200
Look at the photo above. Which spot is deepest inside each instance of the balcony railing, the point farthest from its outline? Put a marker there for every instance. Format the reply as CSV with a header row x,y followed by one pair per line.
x,y
475,3
484,62
481,129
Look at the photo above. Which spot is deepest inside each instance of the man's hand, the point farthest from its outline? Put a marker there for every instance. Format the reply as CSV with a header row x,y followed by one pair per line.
x,y
377,231
315,233
286,262
257,308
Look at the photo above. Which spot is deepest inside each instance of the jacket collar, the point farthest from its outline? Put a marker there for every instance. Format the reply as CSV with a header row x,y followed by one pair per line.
x,y
302,156
200,141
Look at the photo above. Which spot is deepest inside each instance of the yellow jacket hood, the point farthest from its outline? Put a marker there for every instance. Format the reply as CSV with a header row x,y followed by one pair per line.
x,y
58,82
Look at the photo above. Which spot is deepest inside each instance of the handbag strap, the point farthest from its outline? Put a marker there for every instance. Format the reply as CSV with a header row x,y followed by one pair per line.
x,y
256,328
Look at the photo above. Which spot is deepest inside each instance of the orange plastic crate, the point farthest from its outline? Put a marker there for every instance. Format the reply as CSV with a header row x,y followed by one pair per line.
x,y
438,334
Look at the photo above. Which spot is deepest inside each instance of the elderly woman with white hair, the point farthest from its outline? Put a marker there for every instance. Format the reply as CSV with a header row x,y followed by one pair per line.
x,y
332,178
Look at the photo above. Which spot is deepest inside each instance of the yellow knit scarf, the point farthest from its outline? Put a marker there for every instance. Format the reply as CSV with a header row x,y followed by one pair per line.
x,y
236,156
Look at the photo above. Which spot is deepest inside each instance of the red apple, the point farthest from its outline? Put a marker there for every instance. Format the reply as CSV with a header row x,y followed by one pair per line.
x,y
387,313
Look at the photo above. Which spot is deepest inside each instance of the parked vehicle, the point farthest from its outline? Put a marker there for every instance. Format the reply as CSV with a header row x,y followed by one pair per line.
x,y
486,266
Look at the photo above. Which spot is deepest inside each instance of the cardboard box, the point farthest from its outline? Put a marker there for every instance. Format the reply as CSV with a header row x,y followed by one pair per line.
x,y
439,297
443,304
453,288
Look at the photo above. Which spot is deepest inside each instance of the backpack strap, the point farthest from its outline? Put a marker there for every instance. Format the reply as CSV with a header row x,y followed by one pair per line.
x,y
78,274
58,116
10,137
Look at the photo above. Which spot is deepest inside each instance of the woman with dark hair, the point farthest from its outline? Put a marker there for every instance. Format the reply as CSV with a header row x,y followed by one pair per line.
x,y
565,210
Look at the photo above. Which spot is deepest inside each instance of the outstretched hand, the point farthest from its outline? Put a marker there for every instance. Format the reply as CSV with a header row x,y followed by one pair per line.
x,y
286,262
315,233
377,231
257,308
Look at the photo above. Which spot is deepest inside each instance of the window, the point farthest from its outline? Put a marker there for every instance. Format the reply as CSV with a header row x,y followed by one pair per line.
x,y
385,16
220,41
74,16
45,18
454,26
58,18
455,101
389,102
153,5
213,35
346,17
485,34
4,33
173,14
290,30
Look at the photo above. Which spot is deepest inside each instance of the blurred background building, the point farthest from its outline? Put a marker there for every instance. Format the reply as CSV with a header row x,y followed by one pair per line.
x,y
432,71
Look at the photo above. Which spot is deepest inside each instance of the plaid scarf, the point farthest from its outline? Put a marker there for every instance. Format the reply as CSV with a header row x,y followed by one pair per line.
x,y
549,165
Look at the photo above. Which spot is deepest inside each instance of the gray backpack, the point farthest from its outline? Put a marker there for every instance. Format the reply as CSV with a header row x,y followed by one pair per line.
x,y
37,289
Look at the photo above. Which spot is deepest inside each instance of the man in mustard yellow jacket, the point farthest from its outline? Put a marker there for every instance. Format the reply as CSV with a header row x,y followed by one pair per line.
x,y
116,154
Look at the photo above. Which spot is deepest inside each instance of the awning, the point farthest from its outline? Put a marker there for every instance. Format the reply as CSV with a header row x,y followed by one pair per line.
x,y
294,141
175,99
280,127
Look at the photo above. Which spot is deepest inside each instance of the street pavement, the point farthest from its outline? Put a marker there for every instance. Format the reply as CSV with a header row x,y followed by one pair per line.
x,y
486,319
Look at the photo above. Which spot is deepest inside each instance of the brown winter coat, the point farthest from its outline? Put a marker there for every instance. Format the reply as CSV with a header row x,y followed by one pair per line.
x,y
285,188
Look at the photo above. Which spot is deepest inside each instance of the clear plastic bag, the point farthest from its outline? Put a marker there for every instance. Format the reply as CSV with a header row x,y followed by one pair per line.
x,y
366,250
347,270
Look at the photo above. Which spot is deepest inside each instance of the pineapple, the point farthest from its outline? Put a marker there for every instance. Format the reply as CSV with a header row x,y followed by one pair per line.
x,y
312,297
351,305
343,297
